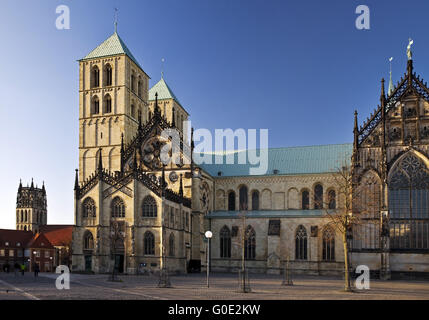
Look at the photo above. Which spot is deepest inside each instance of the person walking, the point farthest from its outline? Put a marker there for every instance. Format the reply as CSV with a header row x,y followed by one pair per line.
x,y
36,270
16,268
22,269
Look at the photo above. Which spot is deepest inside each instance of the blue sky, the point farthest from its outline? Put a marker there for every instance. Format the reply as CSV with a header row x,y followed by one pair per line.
x,y
298,68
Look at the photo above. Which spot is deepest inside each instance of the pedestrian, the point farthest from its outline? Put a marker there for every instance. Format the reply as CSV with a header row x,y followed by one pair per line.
x,y
36,270
22,269
16,268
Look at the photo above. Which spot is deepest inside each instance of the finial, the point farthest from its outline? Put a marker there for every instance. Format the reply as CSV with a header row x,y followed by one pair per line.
x,y
100,161
162,68
409,52
32,184
76,180
383,95
181,185
192,139
116,20
390,89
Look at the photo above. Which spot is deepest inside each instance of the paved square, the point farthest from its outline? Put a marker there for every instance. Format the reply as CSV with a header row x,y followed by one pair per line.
x,y
193,286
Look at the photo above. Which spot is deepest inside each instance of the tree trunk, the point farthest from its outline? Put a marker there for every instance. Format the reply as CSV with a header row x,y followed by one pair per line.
x,y
346,264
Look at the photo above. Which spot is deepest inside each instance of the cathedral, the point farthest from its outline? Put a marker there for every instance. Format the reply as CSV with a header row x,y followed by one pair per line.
x,y
137,213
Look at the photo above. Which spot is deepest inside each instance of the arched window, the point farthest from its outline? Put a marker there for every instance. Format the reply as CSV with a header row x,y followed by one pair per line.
x,y
332,201
118,208
108,75
301,243
133,111
139,87
132,82
231,201
225,242
171,247
318,197
149,207
95,108
149,243
107,104
95,73
243,198
305,200
255,200
328,245
88,208
250,244
409,204
88,241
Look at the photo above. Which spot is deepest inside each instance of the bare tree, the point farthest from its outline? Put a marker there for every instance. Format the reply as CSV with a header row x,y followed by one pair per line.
x,y
356,207
116,236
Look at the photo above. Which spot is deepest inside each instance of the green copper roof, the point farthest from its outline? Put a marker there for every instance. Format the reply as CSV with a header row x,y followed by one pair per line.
x,y
266,214
287,161
114,45
164,91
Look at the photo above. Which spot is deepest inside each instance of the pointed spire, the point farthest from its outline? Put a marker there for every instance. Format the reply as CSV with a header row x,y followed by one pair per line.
x,y
162,68
100,161
32,184
156,109
76,180
383,95
181,186
43,186
390,90
355,130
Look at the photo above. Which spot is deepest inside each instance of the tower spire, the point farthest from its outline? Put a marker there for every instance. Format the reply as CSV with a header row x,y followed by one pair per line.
x,y
100,162
76,180
390,90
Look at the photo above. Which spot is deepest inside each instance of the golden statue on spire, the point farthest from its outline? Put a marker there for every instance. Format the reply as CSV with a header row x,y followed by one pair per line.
x,y
409,53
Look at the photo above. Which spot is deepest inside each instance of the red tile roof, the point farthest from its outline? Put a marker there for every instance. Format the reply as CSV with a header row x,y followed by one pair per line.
x,y
58,235
40,241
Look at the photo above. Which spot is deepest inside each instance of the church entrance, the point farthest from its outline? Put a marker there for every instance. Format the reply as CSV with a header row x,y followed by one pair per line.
x,y
88,263
119,263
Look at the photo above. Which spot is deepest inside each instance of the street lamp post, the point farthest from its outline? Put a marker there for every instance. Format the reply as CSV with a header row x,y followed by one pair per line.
x,y
208,235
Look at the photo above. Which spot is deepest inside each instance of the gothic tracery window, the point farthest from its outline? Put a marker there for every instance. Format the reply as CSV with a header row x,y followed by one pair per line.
x,y
118,208
88,208
149,207
225,242
328,245
409,204
301,243
88,241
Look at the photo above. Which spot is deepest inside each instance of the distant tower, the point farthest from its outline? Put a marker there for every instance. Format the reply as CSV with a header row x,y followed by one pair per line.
x,y
31,207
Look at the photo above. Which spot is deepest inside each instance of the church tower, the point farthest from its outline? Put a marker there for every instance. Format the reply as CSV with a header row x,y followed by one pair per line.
x,y
31,208
113,99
